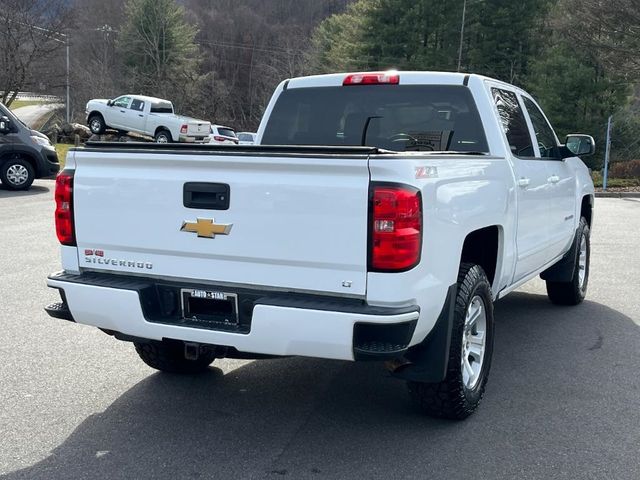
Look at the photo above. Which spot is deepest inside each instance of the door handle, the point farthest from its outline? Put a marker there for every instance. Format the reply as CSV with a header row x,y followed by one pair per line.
x,y
554,179
122,111
524,182
140,115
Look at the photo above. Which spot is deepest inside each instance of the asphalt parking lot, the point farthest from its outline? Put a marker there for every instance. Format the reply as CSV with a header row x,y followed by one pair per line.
x,y
563,399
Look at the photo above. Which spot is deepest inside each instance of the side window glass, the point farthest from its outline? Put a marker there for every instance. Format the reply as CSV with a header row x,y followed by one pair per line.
x,y
137,105
544,134
122,102
513,122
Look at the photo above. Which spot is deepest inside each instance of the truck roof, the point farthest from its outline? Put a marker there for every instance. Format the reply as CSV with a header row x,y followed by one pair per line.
x,y
406,78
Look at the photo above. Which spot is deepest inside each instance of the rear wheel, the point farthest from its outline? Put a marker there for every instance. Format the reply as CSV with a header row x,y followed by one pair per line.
x,y
163,136
17,174
459,394
574,291
170,357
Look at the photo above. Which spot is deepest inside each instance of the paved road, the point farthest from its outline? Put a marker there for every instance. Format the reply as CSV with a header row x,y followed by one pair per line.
x,y
32,113
562,401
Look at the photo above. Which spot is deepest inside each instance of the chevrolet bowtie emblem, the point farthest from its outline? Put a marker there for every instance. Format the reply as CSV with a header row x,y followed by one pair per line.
x,y
206,228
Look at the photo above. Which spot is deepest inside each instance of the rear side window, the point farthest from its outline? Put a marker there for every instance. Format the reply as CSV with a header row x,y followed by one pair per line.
x,y
161,107
137,105
544,133
393,117
245,137
513,122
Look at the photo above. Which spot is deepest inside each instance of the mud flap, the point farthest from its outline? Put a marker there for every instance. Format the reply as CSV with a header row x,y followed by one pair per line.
x,y
564,269
428,361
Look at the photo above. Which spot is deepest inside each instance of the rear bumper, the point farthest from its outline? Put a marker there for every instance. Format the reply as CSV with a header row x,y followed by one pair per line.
x,y
190,139
273,323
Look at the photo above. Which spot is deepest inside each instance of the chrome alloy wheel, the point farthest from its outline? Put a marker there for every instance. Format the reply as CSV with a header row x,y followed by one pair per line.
x,y
582,262
474,341
17,174
162,139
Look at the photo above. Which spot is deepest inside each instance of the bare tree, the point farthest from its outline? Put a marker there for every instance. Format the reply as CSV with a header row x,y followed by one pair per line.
x,y
611,30
29,34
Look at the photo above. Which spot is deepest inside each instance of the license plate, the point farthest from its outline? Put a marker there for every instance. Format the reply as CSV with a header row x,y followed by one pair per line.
x,y
209,307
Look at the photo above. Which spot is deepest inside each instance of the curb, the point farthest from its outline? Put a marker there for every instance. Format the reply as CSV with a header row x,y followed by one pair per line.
x,y
618,194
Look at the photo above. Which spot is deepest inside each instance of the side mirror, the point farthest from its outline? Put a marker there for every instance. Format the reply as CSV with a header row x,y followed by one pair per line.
x,y
5,125
580,145
109,103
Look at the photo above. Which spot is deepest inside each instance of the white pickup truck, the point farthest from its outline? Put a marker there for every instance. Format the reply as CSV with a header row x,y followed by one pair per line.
x,y
402,206
150,116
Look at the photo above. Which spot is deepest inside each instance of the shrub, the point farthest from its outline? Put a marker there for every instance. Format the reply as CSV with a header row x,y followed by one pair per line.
x,y
628,169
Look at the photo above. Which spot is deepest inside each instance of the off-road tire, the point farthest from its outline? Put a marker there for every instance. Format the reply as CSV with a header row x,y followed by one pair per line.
x,y
16,173
169,357
163,134
96,124
572,292
451,398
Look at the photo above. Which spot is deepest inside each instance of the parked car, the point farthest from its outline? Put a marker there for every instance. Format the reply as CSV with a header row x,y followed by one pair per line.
x,y
25,154
379,218
246,138
149,116
222,135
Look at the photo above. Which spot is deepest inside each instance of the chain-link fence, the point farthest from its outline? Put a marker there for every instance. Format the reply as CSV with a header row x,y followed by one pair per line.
x,y
623,169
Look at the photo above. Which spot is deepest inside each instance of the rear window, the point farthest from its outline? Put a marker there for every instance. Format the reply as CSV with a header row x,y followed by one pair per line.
x,y
393,117
161,107
226,132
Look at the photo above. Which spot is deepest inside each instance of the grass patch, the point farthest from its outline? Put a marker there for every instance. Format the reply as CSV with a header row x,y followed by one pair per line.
x,y
25,103
61,150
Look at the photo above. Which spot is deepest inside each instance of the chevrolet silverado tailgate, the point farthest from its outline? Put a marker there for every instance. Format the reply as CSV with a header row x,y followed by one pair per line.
x,y
260,217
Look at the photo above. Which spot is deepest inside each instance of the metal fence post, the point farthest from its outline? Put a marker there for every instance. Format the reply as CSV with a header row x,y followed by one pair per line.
x,y
68,100
607,151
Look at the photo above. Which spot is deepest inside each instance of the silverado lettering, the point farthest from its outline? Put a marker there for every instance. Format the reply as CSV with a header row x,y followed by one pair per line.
x,y
121,263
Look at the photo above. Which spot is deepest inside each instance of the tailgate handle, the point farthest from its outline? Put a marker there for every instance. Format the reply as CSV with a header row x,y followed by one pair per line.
x,y
206,196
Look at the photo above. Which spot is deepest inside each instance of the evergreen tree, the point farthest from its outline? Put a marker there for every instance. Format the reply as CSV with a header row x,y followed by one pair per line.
x,y
158,50
524,43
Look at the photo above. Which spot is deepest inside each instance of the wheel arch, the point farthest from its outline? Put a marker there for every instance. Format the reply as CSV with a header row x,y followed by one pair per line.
x,y
586,208
28,157
160,128
93,113
483,247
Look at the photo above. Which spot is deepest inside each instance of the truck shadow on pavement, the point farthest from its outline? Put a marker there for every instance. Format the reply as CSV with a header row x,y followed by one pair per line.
x,y
34,190
559,401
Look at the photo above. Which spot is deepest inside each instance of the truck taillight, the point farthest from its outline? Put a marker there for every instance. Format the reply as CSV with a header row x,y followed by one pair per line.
x,y
64,208
372,78
183,129
396,227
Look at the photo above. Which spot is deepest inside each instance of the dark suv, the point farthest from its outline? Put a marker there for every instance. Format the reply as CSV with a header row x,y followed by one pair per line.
x,y
24,153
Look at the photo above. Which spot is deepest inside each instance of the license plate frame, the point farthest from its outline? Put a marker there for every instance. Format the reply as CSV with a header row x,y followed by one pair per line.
x,y
209,307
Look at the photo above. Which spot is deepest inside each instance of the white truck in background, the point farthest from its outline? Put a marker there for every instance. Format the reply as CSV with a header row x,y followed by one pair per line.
x,y
379,218
150,116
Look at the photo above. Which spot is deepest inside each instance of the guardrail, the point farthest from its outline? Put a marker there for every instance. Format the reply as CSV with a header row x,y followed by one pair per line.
x,y
37,96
